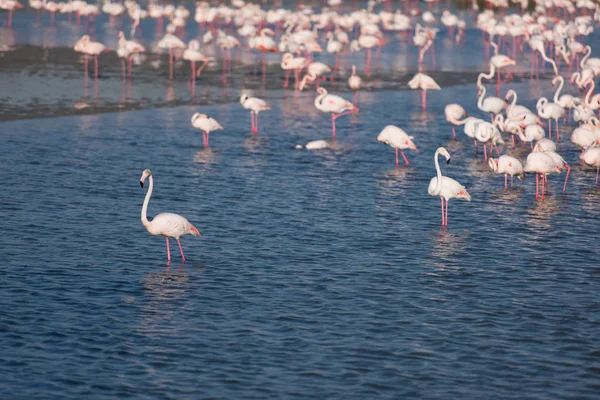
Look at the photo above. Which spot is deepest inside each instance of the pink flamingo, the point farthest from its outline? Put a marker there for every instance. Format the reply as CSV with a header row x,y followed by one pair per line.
x,y
129,48
335,105
89,48
10,6
540,163
423,82
206,124
171,42
398,139
165,224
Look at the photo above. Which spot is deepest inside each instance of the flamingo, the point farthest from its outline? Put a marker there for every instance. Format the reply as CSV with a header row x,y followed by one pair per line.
x,y
531,133
289,62
255,105
454,112
171,42
264,43
165,224
507,165
193,55
398,139
314,145
550,111
491,104
129,47
444,187
90,48
566,100
355,83
206,124
11,6
586,134
423,82
314,71
591,157
558,160
335,105
497,62
540,163
593,63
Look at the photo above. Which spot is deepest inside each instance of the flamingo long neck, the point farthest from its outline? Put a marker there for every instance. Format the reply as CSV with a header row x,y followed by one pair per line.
x,y
585,58
547,59
146,201
489,75
438,187
589,94
557,94
481,96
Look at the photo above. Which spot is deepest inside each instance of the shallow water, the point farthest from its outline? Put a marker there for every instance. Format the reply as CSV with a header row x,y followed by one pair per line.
x,y
320,274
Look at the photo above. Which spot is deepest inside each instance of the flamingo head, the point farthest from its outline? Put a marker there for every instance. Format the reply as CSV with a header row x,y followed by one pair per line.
x,y
243,98
508,61
145,175
411,145
321,91
493,164
445,153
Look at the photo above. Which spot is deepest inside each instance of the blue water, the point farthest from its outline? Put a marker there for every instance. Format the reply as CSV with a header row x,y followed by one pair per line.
x,y
319,274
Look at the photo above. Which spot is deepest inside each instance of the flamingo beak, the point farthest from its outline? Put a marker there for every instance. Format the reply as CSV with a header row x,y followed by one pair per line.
x,y
448,161
142,184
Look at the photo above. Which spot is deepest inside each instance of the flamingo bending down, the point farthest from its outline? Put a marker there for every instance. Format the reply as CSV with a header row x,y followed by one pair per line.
x,y
540,163
591,157
423,82
166,224
206,124
507,165
454,112
398,139
255,105
444,187
335,105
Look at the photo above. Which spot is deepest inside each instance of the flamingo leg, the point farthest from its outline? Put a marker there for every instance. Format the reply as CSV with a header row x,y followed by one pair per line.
x,y
397,162
405,159
181,249
537,195
485,152
567,178
442,202
557,133
168,250
251,122
129,61
96,66
170,64
453,132
423,99
333,125
255,122
505,181
446,212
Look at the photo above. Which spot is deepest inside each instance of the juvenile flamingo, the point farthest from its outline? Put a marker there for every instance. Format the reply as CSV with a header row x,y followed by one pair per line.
x,y
165,224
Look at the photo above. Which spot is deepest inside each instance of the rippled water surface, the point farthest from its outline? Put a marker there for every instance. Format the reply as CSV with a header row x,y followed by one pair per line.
x,y
320,274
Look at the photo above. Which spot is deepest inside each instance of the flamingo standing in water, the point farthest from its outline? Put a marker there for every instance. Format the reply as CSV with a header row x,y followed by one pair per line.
x,y
265,44
507,165
398,139
128,48
255,105
355,82
444,187
171,42
491,104
335,105
540,163
11,6
550,111
206,124
289,62
454,112
165,224
89,48
425,83
591,157
497,62
193,55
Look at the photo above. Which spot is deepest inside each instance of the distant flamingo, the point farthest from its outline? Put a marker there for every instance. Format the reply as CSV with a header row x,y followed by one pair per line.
x,y
255,105
165,224
89,48
444,187
425,83
170,42
193,55
129,47
335,105
355,83
206,124
454,112
265,44
398,139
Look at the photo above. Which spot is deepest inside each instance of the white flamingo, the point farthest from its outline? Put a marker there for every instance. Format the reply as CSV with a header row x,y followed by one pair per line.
x,y
444,187
206,124
398,139
255,105
335,105
165,224
506,165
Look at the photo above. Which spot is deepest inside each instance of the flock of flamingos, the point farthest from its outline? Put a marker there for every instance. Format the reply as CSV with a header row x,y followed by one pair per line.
x,y
553,31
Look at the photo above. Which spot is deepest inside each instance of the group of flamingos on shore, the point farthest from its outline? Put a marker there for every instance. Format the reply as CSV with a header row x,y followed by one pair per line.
x,y
552,40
